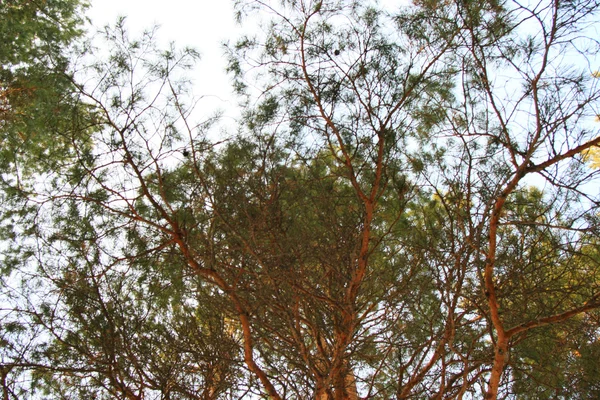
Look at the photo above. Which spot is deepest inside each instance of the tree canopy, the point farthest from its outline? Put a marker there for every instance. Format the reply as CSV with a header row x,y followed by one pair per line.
x,y
39,113
406,211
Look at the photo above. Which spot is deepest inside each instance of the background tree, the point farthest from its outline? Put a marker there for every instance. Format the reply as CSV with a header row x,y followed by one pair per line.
x,y
39,122
39,111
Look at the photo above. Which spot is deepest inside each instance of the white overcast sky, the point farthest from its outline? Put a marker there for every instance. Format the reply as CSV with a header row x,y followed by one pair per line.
x,y
201,24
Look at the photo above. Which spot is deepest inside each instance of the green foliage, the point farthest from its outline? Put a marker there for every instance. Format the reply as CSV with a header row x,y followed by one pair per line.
x,y
41,117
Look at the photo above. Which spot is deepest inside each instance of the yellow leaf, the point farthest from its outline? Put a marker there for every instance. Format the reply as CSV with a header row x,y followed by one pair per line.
x,y
592,157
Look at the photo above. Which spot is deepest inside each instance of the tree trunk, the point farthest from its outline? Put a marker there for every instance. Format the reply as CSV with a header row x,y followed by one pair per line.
x,y
346,390
500,359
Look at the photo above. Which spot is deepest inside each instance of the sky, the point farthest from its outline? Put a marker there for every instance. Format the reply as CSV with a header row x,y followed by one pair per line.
x,y
201,24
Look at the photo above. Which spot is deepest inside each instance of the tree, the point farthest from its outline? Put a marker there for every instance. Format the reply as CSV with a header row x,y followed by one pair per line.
x,y
371,232
39,112
496,141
